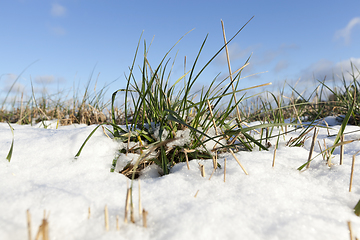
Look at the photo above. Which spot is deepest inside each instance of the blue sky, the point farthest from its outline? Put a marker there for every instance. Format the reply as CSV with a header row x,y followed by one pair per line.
x,y
69,38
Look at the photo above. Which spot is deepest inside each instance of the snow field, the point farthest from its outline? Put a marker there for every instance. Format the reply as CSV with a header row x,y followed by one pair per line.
x,y
269,203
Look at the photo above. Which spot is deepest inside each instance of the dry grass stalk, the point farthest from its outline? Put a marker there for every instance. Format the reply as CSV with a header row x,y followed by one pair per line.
x,y
214,160
230,72
225,170
202,169
28,220
234,139
327,127
117,223
322,154
312,146
273,163
89,213
127,203
132,217
212,174
232,153
352,170
214,164
341,149
103,128
144,213
140,207
106,213
43,231
231,76
212,116
196,193
187,159
350,230
326,152
297,116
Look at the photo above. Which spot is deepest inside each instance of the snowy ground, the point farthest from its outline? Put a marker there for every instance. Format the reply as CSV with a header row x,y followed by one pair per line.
x,y
269,203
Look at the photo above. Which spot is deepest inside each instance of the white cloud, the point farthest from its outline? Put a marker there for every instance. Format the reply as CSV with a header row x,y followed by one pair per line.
x,y
330,69
16,88
281,65
345,33
235,53
57,10
345,67
46,79
11,77
270,55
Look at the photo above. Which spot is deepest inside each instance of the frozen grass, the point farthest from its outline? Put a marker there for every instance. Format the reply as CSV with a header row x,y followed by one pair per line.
x,y
168,124
165,111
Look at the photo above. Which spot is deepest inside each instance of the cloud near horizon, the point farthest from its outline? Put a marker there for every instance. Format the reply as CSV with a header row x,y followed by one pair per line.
x,y
281,65
345,33
8,87
235,53
45,79
329,69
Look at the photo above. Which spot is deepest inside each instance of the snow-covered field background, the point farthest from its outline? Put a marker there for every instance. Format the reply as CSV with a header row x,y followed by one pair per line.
x,y
270,203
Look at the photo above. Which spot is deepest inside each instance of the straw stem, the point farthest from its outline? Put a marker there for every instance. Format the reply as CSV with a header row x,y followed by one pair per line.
x,y
106,213
196,193
273,163
28,219
127,203
230,72
352,170
342,149
312,146
350,230
144,213
202,170
232,153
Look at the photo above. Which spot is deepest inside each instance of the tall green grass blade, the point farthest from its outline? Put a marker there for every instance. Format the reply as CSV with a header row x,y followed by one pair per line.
x,y
343,125
116,127
326,150
248,136
116,132
357,209
8,157
11,87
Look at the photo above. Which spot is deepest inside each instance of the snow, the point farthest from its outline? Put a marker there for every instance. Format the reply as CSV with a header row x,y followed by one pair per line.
x,y
270,203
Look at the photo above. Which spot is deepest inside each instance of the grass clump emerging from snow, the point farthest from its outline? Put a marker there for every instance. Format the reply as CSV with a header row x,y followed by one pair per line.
x,y
166,122
194,125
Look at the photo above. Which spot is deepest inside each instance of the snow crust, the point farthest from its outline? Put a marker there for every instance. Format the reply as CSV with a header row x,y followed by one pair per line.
x,y
269,203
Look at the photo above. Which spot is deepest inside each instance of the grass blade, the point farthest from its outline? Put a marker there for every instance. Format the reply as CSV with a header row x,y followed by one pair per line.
x,y
8,157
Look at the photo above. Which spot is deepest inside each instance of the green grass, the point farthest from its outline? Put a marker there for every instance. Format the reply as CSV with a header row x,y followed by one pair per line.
x,y
158,110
